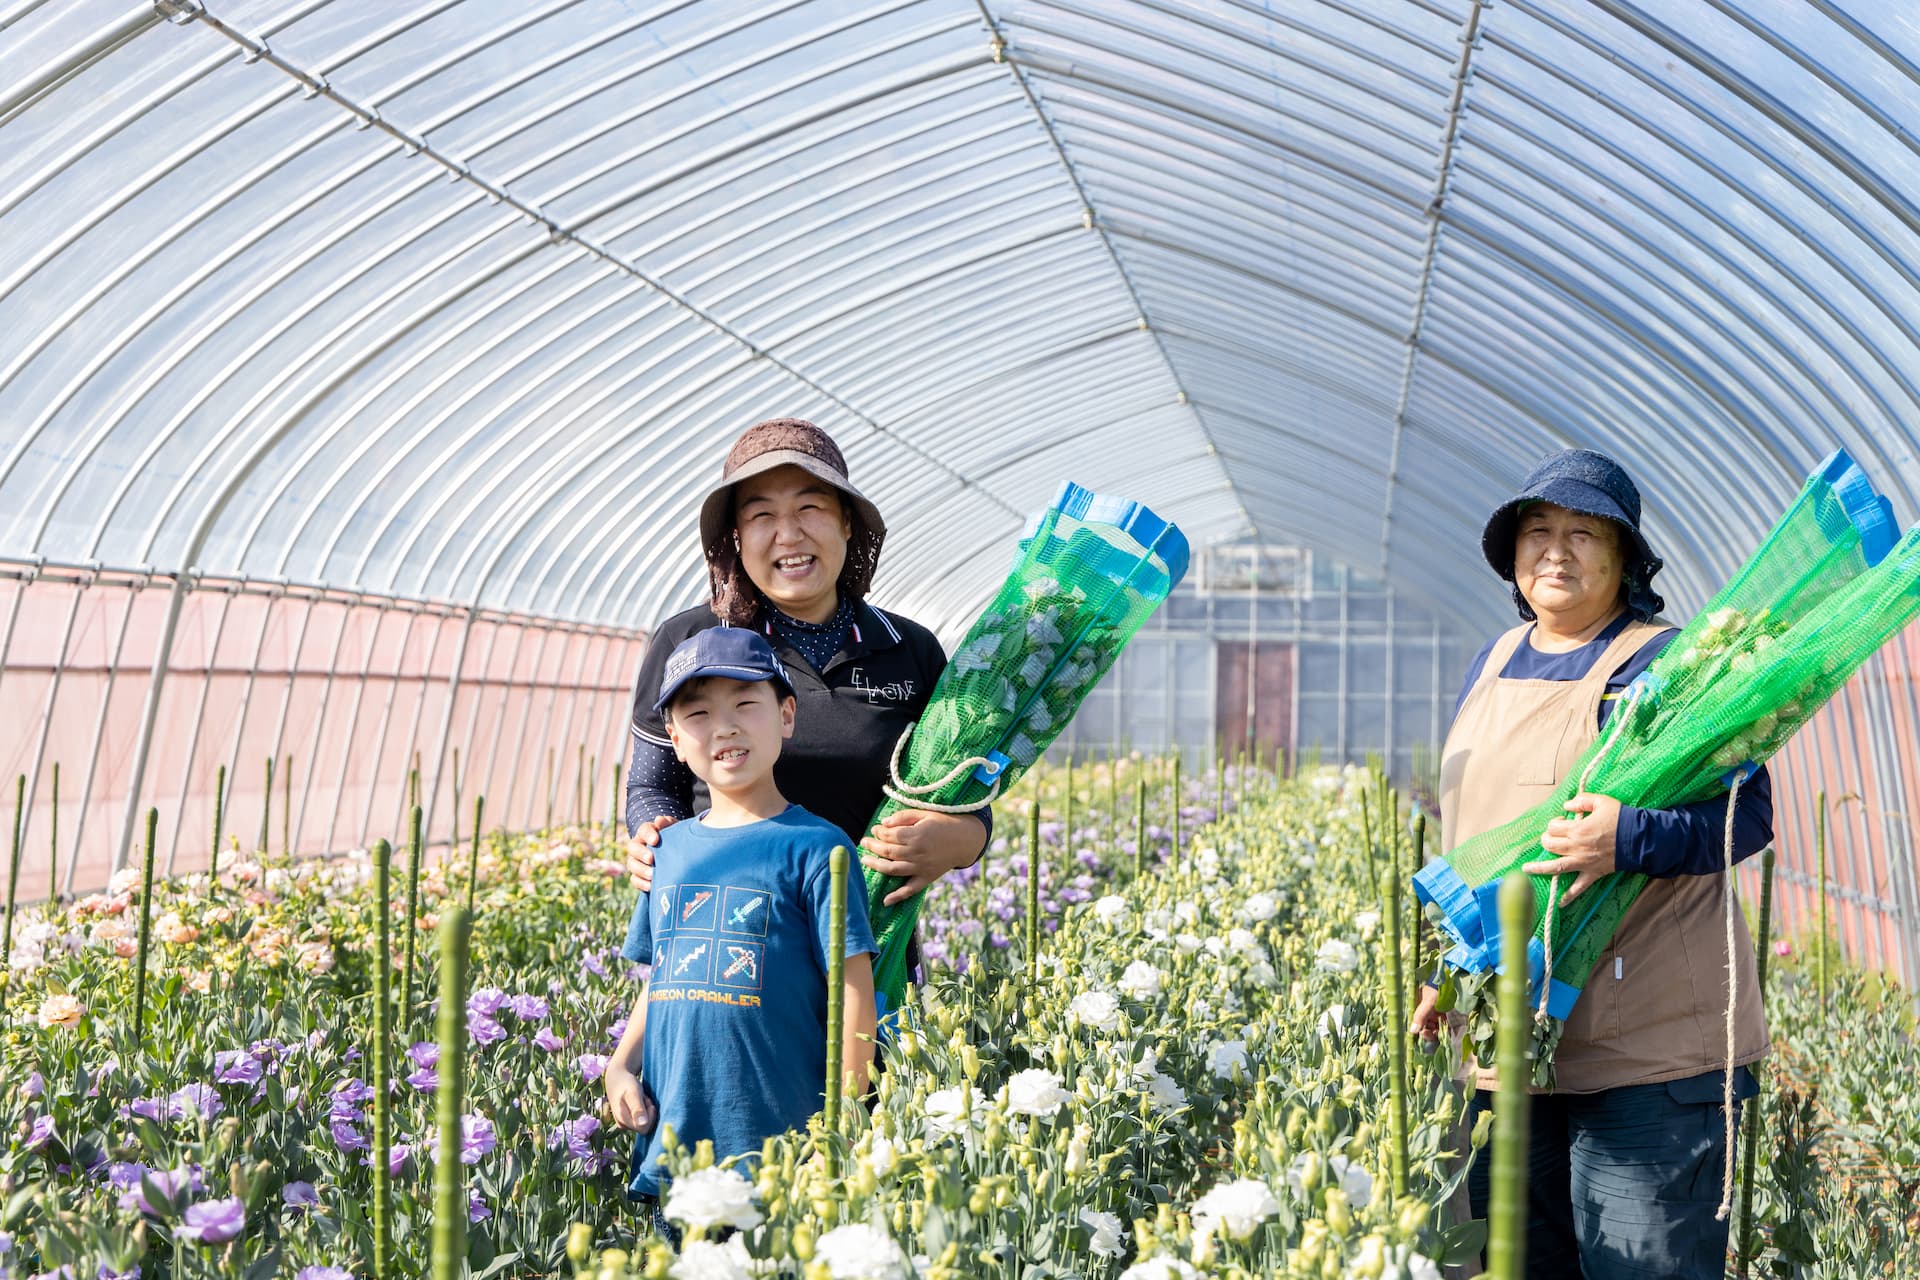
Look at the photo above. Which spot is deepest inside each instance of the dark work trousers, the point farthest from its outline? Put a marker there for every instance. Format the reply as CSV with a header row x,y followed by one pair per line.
x,y
1623,1184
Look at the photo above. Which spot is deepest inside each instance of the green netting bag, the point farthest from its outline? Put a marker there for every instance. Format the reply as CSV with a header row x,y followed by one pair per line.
x,y
1088,571
1821,595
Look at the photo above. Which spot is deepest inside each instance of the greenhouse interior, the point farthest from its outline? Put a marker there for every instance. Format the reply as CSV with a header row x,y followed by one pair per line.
x,y
1310,552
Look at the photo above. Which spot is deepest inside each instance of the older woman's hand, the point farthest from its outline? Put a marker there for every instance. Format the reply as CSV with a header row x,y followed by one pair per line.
x,y
920,846
640,851
1583,847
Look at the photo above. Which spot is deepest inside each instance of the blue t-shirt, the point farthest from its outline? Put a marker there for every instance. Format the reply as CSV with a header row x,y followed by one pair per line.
x,y
736,929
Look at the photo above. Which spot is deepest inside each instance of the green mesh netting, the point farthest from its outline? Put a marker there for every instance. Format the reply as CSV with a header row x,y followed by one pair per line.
x,y
1088,572
1818,598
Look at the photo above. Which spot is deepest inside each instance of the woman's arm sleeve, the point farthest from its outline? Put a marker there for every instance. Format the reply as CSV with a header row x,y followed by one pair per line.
x,y
658,783
1690,839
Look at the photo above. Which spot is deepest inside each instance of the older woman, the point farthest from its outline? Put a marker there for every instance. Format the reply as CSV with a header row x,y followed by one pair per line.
x,y
1628,1151
791,548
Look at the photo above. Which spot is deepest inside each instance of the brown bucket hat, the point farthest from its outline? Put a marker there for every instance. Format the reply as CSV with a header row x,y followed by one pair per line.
x,y
787,442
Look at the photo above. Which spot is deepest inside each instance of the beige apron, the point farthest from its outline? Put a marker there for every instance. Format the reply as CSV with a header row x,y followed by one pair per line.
x,y
1654,1007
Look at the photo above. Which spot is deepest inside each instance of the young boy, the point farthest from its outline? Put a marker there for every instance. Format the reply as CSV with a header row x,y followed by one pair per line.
x,y
728,1035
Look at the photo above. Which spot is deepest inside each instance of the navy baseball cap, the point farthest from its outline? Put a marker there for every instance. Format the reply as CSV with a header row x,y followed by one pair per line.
x,y
737,653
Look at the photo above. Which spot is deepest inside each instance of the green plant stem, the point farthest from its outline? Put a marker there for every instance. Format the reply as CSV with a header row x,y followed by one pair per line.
x,y
286,808
1397,1030
266,809
449,1190
613,818
473,859
1419,861
53,850
1754,1119
146,931
1033,892
1820,845
412,925
836,999
381,1068
453,836
1173,819
1140,824
13,884
1507,1207
219,824
1066,812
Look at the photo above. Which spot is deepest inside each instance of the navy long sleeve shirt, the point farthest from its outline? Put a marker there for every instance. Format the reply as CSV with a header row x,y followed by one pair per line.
x,y
1684,840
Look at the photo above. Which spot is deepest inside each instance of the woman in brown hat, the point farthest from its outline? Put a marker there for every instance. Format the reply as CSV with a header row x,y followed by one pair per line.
x,y
791,547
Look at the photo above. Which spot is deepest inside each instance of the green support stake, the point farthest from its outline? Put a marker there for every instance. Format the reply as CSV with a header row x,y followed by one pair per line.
x,y
1173,819
1113,790
839,860
592,776
1419,861
146,932
53,850
266,809
1368,845
219,823
413,918
1397,1021
1066,815
473,859
1820,953
449,1190
286,808
381,1067
552,783
1507,1208
1219,786
453,837
13,879
1140,824
1754,1119
613,818
579,779
1033,893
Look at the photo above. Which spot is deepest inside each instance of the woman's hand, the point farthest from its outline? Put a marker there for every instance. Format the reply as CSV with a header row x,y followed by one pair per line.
x,y
1426,1015
627,1100
920,846
1583,847
640,851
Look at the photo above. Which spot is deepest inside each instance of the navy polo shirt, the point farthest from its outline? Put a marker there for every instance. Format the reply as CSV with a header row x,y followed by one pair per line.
x,y
849,715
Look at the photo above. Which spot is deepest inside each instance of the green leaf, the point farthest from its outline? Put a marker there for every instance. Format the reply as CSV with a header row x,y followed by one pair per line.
x,y
264,1268
17,1204
1462,1243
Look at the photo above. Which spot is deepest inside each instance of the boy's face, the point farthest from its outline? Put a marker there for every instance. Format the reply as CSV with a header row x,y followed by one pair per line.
x,y
729,731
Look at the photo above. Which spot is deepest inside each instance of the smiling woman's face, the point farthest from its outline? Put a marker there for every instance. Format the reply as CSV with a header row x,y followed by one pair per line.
x,y
793,540
1567,565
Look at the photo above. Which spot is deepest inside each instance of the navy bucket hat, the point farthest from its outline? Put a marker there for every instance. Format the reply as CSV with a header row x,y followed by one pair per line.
x,y
734,652
1592,484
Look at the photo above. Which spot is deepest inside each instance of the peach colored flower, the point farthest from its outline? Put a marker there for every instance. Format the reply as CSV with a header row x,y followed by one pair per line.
x,y
217,915
315,957
126,948
61,1011
200,981
170,928
109,931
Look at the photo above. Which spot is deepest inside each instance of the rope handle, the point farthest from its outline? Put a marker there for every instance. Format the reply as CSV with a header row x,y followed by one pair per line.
x,y
1733,995
902,792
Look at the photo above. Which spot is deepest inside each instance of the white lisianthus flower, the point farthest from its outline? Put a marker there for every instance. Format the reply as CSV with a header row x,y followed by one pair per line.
x,y
1366,922
1216,947
1208,864
1237,1208
712,1197
881,1154
1304,862
1105,1236
1334,1020
1416,1267
1354,1180
1145,1069
1187,944
943,1111
1186,913
1336,956
1110,909
1242,942
1262,974
705,1260
1166,1092
858,1251
1225,1055
1159,1269
1261,906
1097,1009
1034,1092
1141,981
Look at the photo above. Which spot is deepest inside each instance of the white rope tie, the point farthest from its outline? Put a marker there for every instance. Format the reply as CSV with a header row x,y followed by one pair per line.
x,y
1618,723
904,793
1733,994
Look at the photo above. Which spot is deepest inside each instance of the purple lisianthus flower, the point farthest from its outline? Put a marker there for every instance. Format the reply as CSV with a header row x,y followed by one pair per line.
x,y
147,1108
484,1029
194,1100
617,1030
35,1086
348,1138
487,1001
592,964
545,1039
41,1134
397,1156
265,1051
170,1182
476,1138
235,1066
527,1008
323,1273
213,1221
592,1066
575,1136
477,1210
424,1053
123,1175
300,1195
108,1273
425,1079
353,1092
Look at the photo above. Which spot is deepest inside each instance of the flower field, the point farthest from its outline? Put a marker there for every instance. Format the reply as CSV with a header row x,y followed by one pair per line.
x,y
1152,1063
